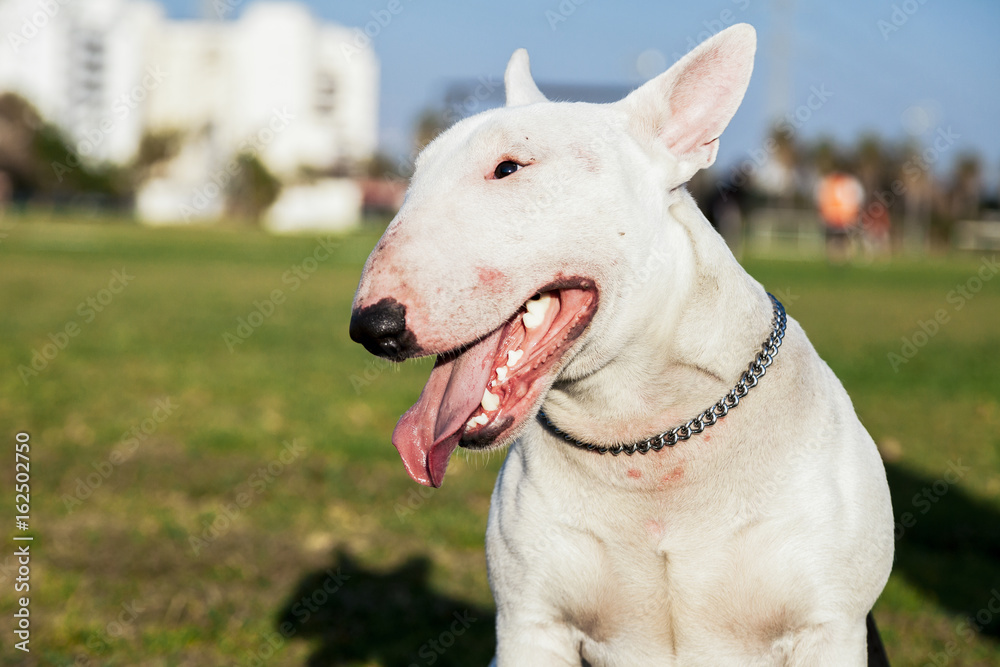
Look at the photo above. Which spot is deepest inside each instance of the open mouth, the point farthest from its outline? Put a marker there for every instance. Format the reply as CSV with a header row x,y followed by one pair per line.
x,y
482,393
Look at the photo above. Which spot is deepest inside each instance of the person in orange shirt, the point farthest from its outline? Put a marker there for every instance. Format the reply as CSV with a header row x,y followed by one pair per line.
x,y
839,197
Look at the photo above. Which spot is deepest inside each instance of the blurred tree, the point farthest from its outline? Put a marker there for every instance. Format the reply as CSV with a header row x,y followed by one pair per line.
x,y
825,156
154,148
382,166
786,150
966,187
918,198
786,160
252,190
41,165
19,122
430,123
871,163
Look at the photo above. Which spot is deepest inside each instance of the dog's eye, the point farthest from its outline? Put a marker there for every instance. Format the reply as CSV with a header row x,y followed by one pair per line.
x,y
505,168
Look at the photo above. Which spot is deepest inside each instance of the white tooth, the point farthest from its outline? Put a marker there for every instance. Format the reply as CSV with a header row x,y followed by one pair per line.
x,y
540,304
536,311
471,423
481,419
513,357
502,373
490,401
531,320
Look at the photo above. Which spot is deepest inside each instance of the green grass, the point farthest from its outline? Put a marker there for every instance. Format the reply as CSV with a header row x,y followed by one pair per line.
x,y
341,513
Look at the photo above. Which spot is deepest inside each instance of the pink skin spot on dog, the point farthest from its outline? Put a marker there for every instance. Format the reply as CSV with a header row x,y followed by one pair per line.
x,y
676,474
489,276
654,529
634,474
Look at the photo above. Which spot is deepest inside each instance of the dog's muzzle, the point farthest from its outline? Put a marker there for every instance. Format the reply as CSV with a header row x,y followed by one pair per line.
x,y
381,328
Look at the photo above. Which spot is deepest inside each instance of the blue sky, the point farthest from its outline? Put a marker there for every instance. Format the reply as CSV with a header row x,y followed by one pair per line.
x,y
929,64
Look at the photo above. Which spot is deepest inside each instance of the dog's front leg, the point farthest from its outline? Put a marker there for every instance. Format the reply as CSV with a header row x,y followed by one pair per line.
x,y
529,632
522,555
523,641
833,644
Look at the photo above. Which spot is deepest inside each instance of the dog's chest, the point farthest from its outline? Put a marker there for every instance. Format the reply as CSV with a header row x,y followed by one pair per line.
x,y
634,582
633,601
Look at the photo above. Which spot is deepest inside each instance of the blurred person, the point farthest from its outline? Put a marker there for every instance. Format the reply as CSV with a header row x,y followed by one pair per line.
x,y
876,227
839,196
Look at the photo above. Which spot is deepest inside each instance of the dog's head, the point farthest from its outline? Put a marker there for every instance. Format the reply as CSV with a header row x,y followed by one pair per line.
x,y
511,255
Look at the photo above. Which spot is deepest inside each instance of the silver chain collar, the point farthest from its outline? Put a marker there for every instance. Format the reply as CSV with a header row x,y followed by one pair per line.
x,y
768,351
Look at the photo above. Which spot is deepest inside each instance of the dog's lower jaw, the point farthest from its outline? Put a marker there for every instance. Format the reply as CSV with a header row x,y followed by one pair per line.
x,y
495,436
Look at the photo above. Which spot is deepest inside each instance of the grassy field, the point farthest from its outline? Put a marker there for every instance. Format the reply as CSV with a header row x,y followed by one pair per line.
x,y
213,483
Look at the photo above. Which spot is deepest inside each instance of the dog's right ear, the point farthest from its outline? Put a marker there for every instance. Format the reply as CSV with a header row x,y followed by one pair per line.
x,y
517,81
687,107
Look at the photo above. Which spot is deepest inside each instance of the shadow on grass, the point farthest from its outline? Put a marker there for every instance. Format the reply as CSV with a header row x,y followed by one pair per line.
x,y
392,617
948,544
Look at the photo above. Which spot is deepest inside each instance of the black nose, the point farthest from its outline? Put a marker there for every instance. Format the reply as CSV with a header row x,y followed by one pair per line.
x,y
381,328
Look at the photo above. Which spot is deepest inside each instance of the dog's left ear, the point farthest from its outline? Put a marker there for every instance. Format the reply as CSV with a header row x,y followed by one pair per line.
x,y
687,107
517,81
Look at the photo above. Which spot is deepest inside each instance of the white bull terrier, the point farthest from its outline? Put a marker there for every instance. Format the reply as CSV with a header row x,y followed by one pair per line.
x,y
581,306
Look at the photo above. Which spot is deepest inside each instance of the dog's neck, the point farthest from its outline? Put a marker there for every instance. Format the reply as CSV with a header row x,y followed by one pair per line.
x,y
703,318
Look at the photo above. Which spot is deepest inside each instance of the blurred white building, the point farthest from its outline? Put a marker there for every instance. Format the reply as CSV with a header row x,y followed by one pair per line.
x,y
300,94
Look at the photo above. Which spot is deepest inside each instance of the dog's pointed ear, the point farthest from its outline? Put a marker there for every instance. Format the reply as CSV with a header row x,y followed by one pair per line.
x,y
517,81
687,107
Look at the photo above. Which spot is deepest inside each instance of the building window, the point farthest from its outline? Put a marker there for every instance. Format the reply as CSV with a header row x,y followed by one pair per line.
x,y
326,93
88,70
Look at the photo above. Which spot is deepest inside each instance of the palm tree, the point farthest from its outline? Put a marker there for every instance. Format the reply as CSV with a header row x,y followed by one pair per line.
x,y
966,187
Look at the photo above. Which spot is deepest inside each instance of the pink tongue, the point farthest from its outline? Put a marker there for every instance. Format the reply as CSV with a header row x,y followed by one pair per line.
x,y
430,430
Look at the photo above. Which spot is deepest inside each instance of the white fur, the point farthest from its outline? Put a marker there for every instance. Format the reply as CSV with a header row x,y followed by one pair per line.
x,y
763,541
